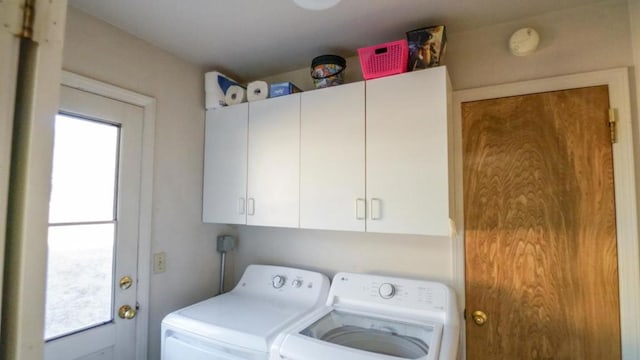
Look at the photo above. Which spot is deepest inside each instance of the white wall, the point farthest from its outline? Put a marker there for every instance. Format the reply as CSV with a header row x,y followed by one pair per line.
x,y
333,251
302,77
579,40
100,51
582,39
589,38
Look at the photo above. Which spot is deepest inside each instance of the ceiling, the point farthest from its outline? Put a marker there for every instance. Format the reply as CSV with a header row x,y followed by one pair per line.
x,y
250,39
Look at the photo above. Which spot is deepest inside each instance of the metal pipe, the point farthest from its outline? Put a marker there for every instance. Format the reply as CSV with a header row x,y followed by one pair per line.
x,y
222,267
224,243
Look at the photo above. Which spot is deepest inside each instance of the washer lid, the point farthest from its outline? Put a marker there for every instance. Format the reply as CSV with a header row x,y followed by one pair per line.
x,y
244,321
376,335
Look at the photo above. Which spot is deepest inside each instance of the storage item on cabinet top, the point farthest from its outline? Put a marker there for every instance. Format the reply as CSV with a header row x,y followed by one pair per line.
x,y
426,47
283,88
257,90
235,95
384,59
216,86
327,70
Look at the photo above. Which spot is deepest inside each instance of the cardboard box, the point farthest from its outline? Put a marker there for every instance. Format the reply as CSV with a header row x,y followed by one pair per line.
x,y
283,88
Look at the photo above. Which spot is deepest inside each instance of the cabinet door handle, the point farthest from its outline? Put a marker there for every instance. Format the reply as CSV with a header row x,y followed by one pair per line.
x,y
376,209
251,203
241,208
361,209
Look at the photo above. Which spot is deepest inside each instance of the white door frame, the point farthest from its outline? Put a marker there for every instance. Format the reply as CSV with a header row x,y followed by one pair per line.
x,y
624,182
27,213
9,56
146,190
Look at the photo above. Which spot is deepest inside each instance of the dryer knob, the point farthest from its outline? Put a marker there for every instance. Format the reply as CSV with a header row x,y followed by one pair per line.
x,y
386,291
278,281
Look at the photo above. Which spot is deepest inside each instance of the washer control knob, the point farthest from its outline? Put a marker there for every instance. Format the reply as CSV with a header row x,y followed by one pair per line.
x,y
278,281
386,291
296,283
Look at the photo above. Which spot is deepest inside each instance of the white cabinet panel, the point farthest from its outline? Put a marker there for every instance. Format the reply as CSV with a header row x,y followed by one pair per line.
x,y
407,153
274,162
332,158
225,165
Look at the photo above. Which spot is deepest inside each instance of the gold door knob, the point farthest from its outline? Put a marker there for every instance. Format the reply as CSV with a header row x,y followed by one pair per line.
x,y
479,317
126,312
126,282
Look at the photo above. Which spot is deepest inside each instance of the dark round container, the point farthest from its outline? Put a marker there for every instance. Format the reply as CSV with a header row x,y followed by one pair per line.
x,y
326,70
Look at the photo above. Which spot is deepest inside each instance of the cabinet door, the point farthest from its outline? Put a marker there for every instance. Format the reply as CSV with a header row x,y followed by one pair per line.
x,y
332,194
407,153
274,162
225,165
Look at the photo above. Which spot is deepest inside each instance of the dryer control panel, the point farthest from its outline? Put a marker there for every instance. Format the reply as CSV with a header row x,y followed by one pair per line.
x,y
285,283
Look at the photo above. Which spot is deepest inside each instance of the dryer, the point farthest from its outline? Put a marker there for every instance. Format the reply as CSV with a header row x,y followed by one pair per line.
x,y
243,323
370,317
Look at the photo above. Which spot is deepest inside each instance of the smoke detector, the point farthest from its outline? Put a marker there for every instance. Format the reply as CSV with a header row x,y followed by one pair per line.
x,y
524,42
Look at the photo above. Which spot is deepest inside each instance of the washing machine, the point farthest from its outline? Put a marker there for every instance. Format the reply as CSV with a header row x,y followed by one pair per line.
x,y
243,323
370,317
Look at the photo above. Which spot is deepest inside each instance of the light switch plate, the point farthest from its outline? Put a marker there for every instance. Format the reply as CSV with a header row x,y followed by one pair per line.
x,y
159,262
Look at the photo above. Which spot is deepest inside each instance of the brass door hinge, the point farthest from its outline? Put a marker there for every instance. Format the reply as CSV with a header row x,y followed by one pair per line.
x,y
16,17
613,119
27,20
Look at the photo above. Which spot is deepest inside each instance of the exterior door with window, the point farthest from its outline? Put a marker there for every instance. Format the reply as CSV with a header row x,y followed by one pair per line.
x,y
93,229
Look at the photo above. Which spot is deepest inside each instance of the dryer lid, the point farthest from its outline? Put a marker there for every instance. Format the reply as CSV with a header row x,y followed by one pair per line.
x,y
244,321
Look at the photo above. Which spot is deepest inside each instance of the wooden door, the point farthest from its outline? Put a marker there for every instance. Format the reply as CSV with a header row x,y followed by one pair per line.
x,y
225,165
540,241
332,146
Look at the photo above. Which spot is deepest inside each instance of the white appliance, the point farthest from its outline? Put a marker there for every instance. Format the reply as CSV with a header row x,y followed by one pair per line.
x,y
243,323
369,317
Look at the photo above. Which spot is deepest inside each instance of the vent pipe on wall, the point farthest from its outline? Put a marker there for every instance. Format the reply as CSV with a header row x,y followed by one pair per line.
x,y
225,244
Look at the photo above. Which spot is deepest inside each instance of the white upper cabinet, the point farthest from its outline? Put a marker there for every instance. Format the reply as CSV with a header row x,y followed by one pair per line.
x,y
370,156
225,165
407,166
332,158
273,185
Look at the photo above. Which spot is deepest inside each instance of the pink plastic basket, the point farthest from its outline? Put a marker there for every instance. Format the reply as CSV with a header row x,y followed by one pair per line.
x,y
384,59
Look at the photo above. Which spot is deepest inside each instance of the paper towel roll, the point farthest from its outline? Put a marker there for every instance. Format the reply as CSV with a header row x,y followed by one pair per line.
x,y
215,87
236,94
257,90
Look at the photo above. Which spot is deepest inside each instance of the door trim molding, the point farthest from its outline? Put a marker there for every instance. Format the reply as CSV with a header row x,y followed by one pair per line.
x,y
9,58
624,182
146,189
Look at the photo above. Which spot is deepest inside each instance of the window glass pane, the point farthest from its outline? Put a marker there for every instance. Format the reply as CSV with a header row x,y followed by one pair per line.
x,y
84,175
79,278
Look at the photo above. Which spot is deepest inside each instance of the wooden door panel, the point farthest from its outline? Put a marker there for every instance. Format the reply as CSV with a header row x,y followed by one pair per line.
x,y
541,256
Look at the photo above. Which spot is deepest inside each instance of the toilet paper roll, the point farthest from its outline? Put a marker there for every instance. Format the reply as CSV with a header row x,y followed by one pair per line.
x,y
215,87
236,94
257,90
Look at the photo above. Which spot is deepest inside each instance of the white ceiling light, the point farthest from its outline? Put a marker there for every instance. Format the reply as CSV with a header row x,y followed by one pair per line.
x,y
316,4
